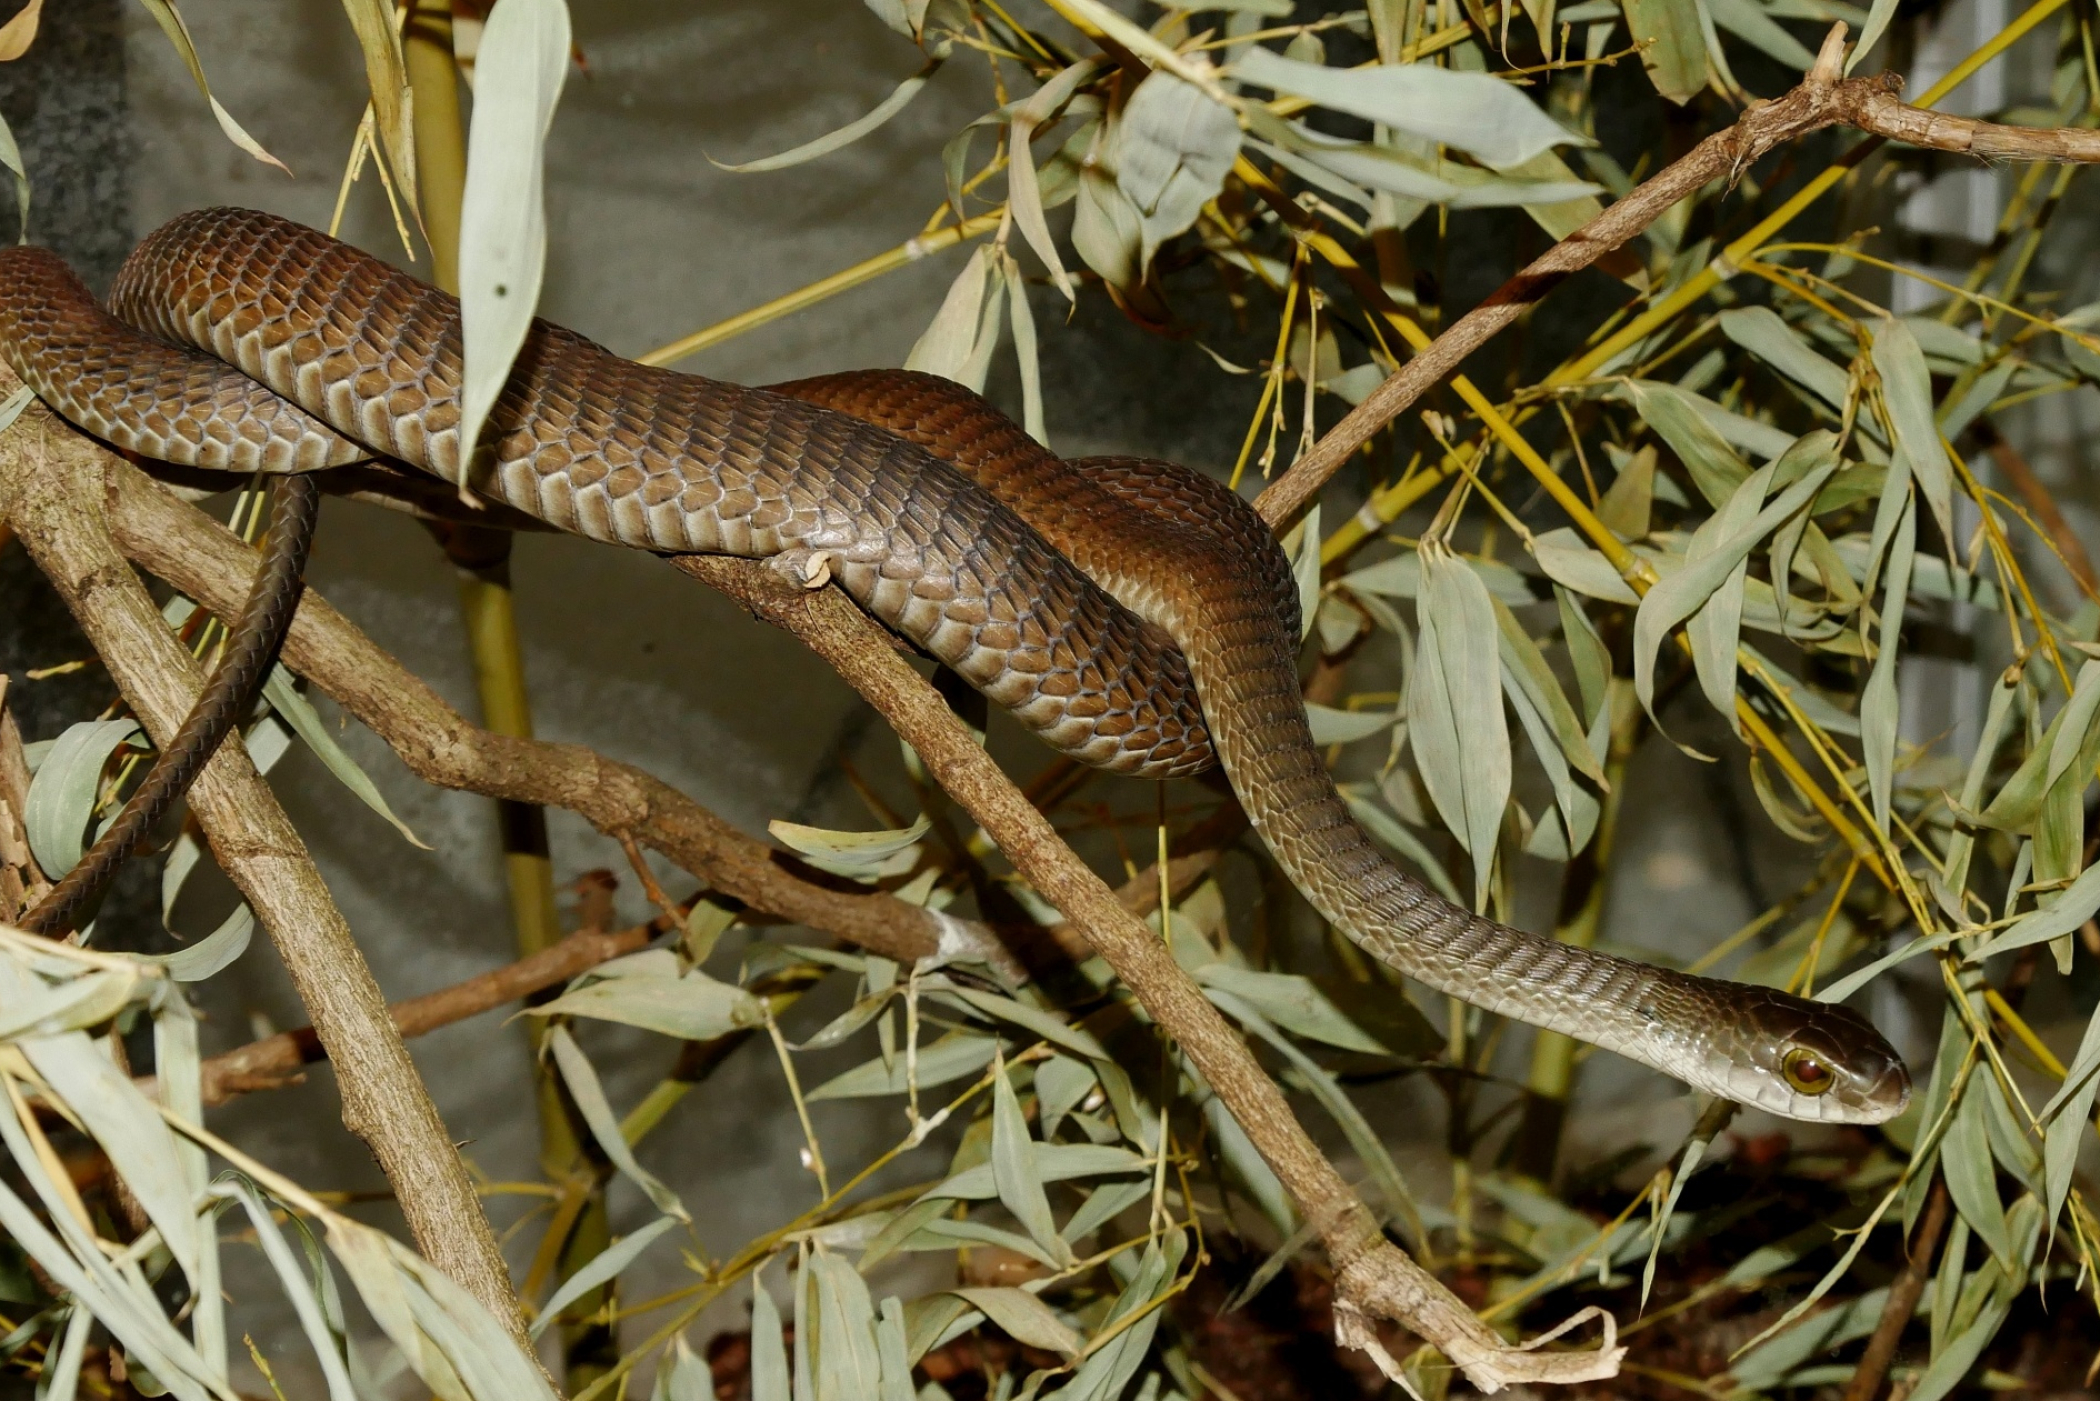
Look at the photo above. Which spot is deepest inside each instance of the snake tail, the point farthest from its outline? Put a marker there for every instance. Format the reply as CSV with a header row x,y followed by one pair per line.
x,y
237,680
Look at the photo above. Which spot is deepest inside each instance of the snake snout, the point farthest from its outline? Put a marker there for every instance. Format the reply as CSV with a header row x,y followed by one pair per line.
x,y
1829,1063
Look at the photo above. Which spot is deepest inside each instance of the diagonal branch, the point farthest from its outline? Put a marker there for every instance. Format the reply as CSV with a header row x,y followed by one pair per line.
x,y
1375,1279
1822,99
49,493
210,564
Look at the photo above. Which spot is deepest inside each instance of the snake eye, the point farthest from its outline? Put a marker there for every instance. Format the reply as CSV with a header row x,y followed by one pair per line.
x,y
1806,1073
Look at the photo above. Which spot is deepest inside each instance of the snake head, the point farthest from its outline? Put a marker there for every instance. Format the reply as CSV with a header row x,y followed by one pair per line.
x,y
1816,1061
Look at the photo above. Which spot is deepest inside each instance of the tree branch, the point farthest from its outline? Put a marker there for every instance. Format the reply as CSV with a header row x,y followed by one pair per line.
x,y
1375,1279
275,1060
49,492
1822,99
210,564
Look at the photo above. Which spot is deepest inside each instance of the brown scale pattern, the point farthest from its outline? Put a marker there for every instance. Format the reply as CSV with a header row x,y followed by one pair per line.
x,y
1135,614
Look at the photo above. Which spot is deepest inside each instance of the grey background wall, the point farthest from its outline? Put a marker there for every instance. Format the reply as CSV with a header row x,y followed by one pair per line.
x,y
650,240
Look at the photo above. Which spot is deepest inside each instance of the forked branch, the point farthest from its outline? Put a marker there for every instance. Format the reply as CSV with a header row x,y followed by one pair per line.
x,y
1822,99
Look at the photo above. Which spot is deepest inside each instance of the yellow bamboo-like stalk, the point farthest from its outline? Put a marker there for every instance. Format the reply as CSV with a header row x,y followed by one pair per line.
x,y
1725,264
488,609
823,289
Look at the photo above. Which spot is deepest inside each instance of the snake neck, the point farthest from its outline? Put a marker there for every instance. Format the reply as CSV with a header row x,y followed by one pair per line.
x,y
1246,674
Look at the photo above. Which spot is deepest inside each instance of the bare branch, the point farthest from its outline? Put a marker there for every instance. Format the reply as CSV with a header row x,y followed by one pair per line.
x,y
275,1061
50,493
1375,1278
1822,99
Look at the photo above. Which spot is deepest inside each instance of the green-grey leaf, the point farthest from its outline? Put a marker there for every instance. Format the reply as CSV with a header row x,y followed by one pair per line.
x,y
1965,1157
769,1366
846,135
1455,719
1026,1317
694,1007
589,1097
1878,702
1471,111
1331,726
1906,385
62,795
1674,414
298,712
1175,146
603,1266
1013,1170
215,951
1291,1001
1674,51
852,853
1760,331
523,59
950,1058
1747,22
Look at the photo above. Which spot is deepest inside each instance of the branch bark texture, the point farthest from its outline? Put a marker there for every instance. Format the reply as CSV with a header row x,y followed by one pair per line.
x,y
51,493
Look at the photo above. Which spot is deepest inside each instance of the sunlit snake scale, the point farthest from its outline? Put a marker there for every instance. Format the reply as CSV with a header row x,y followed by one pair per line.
x,y
1133,613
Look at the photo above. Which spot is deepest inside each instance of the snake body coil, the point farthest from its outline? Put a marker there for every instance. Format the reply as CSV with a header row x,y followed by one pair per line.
x,y
1134,614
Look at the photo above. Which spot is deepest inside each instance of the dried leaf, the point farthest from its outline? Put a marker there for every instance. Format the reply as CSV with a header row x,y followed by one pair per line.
x,y
171,24
393,104
20,32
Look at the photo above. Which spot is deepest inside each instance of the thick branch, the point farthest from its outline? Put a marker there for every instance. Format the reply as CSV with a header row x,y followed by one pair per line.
x,y
207,562
50,493
1374,1277
1821,100
21,883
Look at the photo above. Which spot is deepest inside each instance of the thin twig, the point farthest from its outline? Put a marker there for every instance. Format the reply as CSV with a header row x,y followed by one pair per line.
x,y
1903,1296
276,1060
1822,99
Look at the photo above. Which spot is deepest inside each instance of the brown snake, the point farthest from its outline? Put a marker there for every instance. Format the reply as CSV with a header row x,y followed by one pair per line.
x,y
1134,614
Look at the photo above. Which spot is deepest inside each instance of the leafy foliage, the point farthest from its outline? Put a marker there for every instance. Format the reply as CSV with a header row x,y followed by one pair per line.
x,y
1778,479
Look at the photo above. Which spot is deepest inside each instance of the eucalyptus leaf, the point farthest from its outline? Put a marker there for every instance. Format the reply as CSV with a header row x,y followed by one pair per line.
x,y
519,68
1455,719
694,1007
1471,111
1906,386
